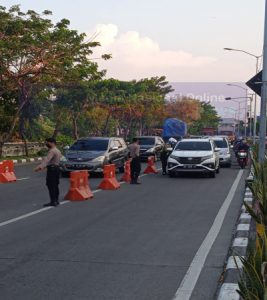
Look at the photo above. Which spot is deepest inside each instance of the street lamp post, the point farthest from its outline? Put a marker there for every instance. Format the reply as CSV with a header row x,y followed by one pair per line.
x,y
246,96
234,99
257,57
263,94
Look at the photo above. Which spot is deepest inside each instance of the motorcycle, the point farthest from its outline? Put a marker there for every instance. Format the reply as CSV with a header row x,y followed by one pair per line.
x,y
242,158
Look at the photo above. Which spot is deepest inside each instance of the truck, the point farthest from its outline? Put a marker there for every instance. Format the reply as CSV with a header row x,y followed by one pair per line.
x,y
174,128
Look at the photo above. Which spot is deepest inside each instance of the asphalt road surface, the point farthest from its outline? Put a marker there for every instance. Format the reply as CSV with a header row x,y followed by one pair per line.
x,y
134,243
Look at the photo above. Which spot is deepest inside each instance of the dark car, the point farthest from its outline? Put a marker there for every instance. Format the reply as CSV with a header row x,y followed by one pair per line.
x,y
150,146
93,154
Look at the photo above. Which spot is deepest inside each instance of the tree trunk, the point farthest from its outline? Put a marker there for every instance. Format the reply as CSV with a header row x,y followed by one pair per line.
x,y
1,149
23,99
127,129
57,125
75,128
105,130
22,134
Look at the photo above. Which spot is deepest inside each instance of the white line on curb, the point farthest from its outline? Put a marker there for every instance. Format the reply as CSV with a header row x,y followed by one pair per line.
x,y
245,216
243,227
228,292
187,286
234,262
240,242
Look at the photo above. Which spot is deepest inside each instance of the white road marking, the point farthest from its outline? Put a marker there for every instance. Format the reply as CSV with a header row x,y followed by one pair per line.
x,y
228,292
234,262
240,242
2,224
23,178
243,227
245,216
190,279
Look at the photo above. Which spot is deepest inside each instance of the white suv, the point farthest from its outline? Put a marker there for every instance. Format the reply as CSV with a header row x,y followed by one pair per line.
x,y
224,154
194,155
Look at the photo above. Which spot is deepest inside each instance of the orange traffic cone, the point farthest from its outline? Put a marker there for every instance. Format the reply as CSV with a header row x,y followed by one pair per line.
x,y
79,187
7,171
151,167
127,172
109,182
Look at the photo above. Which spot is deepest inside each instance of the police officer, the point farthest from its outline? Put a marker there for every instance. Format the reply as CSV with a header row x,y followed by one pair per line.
x,y
51,164
135,162
164,159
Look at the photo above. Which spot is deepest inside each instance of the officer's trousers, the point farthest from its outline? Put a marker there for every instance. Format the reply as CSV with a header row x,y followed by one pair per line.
x,y
135,169
52,182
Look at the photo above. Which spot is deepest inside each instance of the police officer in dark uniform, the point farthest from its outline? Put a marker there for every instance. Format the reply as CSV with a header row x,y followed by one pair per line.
x,y
51,164
135,161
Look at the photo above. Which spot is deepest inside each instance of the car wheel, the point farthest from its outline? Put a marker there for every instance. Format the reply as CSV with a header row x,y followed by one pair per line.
x,y
212,174
229,165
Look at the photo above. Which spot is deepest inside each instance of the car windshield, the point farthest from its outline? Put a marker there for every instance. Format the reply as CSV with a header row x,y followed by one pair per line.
x,y
193,146
221,143
90,145
147,141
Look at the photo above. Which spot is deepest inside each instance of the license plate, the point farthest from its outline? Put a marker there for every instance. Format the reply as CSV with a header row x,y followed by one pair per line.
x,y
189,166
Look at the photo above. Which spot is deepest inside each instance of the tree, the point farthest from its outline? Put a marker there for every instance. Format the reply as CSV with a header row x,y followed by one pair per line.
x,y
185,109
35,52
208,118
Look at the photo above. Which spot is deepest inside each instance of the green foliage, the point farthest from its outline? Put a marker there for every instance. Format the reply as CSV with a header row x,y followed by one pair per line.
x,y
208,118
252,284
37,55
64,140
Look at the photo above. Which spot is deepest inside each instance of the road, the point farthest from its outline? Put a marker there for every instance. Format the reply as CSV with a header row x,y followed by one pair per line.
x,y
134,243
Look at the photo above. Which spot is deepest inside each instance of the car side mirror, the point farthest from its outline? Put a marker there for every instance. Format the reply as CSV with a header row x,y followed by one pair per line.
x,y
217,149
66,148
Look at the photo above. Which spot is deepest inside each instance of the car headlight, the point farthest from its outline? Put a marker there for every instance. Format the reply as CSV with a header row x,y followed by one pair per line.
x,y
63,159
99,159
151,150
174,157
206,157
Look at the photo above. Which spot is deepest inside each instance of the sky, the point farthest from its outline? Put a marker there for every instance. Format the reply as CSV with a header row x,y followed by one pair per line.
x,y
182,40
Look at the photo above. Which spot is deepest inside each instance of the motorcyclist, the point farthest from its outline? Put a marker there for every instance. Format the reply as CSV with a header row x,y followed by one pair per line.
x,y
243,146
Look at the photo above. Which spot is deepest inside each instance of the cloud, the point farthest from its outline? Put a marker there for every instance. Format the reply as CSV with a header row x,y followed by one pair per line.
x,y
136,56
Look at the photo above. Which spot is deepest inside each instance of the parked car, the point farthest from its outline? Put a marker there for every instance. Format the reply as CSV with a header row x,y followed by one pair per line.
x,y
93,154
224,154
194,155
150,146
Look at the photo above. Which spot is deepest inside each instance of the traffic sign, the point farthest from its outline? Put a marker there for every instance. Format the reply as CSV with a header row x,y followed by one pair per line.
x,y
255,83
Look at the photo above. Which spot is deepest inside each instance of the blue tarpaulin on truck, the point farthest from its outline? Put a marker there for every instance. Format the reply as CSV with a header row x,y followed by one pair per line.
x,y
174,128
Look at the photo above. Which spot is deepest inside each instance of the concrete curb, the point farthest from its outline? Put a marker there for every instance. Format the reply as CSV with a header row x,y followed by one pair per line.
x,y
26,160
229,287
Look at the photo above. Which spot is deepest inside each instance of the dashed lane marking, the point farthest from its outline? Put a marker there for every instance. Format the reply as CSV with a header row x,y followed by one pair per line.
x,y
36,212
23,178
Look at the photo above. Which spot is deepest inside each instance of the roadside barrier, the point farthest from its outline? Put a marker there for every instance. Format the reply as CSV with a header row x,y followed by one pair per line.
x,y
127,172
151,167
79,187
110,181
7,171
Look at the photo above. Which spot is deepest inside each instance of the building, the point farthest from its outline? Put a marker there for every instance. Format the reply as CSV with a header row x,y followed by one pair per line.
x,y
228,126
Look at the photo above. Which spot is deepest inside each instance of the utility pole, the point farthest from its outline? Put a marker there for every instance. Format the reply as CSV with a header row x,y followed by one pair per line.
x,y
263,94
